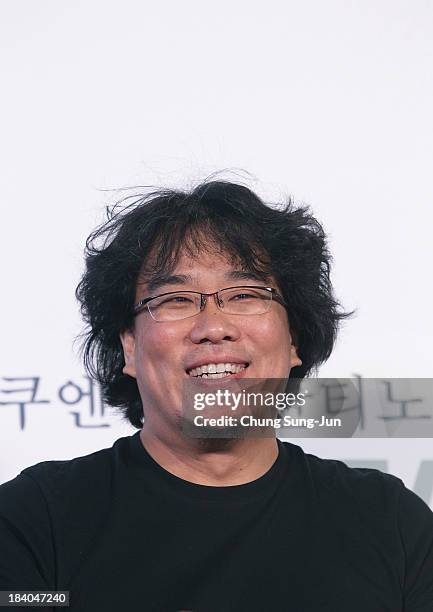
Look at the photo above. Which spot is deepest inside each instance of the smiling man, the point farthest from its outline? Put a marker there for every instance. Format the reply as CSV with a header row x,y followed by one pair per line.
x,y
209,287
179,334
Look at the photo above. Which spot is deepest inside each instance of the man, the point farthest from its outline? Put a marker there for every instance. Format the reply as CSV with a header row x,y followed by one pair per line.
x,y
181,287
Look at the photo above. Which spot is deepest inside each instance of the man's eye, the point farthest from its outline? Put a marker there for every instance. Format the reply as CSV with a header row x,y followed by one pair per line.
x,y
176,299
243,296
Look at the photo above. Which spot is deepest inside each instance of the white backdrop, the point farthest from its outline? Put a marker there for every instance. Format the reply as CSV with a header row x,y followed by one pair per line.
x,y
328,101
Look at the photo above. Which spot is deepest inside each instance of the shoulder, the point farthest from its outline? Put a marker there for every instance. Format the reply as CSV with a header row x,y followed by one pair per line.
x,y
375,511
367,497
364,489
56,479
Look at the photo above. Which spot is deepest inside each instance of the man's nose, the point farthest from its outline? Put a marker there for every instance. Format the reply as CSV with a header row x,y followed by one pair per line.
x,y
212,324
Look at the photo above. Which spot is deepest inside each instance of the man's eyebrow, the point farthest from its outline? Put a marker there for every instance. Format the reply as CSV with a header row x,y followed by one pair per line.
x,y
261,277
156,282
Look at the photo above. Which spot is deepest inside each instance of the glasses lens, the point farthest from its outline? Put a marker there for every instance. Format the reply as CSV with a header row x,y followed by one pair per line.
x,y
174,306
246,300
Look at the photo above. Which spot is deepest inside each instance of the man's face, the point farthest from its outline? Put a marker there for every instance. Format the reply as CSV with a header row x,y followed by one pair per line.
x,y
160,354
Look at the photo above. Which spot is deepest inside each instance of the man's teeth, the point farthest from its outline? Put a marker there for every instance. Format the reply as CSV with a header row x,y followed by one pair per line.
x,y
217,370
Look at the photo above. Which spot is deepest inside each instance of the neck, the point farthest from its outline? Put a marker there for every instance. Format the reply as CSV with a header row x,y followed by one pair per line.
x,y
212,462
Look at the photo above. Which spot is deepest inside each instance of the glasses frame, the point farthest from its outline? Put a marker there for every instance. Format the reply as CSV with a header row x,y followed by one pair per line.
x,y
204,298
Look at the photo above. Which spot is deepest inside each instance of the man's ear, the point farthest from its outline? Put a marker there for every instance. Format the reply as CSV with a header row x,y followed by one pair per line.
x,y
294,358
128,343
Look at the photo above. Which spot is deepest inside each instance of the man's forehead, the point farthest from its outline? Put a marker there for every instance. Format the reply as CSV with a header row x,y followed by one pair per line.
x,y
158,280
186,269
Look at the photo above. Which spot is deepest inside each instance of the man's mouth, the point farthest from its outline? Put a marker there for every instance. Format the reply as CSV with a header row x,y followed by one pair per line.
x,y
217,370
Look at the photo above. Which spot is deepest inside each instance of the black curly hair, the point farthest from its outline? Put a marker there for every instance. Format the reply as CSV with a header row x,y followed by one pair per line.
x,y
148,234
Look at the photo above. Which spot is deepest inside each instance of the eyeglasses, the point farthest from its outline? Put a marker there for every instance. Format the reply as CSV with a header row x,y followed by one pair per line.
x,y
177,305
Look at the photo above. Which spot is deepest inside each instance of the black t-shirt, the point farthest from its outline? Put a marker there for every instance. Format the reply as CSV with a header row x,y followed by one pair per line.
x,y
123,534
